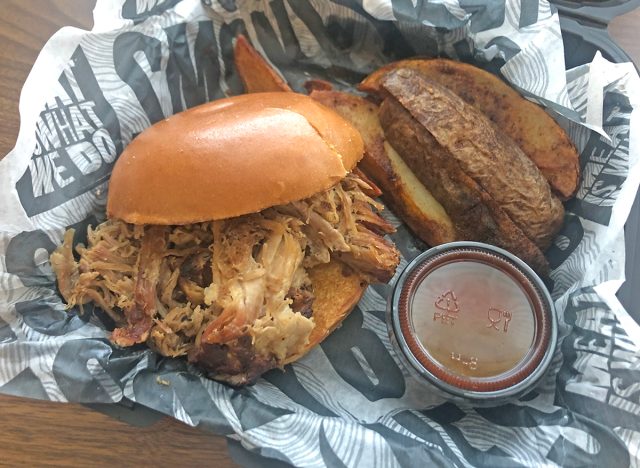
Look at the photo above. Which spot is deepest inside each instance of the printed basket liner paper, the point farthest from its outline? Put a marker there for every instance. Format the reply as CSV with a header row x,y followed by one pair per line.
x,y
349,402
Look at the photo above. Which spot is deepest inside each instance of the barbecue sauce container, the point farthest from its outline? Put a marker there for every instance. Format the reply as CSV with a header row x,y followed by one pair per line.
x,y
473,323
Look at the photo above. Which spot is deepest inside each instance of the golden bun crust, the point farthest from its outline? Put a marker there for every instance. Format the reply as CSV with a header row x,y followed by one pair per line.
x,y
337,290
232,157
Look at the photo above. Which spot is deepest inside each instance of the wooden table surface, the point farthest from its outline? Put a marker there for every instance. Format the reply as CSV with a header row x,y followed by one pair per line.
x,y
36,432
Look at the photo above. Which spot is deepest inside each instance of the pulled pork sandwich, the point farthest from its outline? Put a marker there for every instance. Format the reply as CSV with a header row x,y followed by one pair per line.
x,y
239,235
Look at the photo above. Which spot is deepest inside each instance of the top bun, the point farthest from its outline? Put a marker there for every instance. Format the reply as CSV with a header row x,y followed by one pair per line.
x,y
232,157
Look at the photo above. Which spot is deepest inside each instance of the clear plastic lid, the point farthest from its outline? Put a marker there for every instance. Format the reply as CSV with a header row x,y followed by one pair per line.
x,y
474,319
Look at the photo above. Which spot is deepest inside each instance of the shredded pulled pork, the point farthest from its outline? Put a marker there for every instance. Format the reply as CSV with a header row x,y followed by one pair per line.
x,y
233,295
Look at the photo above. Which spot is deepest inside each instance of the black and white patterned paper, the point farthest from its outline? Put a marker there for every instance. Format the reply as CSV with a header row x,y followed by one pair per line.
x,y
349,402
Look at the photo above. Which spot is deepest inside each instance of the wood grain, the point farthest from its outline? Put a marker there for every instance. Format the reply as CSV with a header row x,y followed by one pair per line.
x,y
45,433
624,30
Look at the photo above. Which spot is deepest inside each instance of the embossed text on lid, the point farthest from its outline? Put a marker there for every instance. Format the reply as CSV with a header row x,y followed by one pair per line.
x,y
474,320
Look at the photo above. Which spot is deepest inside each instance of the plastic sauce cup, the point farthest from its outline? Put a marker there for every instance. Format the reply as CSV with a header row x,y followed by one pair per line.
x,y
473,323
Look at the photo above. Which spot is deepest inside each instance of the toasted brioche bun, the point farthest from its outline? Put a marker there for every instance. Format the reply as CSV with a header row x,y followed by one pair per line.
x,y
232,157
337,290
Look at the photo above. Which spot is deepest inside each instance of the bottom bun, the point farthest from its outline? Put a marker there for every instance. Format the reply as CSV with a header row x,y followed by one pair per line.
x,y
337,290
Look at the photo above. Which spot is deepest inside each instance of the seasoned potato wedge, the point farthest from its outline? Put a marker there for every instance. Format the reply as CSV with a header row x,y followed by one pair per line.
x,y
317,85
475,214
402,191
537,134
470,140
256,74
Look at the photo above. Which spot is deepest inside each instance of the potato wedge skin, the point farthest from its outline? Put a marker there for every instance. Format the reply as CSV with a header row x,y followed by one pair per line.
x,y
255,72
526,123
483,152
475,214
402,191
317,85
